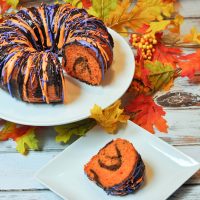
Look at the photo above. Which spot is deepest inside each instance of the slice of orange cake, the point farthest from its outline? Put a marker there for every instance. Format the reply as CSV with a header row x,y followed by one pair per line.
x,y
117,168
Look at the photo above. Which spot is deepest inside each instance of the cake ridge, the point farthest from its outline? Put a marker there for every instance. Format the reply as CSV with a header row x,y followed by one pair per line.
x,y
46,32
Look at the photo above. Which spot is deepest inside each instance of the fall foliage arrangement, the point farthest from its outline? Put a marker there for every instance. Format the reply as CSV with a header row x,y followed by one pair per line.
x,y
153,28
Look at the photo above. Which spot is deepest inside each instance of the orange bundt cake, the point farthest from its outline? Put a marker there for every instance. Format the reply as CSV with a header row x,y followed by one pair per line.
x,y
31,41
117,168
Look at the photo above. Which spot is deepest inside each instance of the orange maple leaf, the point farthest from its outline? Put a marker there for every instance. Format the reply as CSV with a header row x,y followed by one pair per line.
x,y
147,114
190,64
11,131
165,54
4,6
141,73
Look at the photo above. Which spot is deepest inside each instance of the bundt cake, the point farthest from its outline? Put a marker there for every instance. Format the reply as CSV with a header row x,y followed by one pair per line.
x,y
117,168
31,41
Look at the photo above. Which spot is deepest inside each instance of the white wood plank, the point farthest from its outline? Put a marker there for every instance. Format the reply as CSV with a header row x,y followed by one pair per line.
x,y
181,132
186,193
189,23
29,195
182,123
189,8
17,171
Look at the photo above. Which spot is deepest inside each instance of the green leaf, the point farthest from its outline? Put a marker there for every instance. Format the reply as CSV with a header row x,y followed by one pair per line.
x,y
160,74
102,8
27,141
13,3
77,128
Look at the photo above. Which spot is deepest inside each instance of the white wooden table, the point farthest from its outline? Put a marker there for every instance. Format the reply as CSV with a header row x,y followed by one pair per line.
x,y
16,171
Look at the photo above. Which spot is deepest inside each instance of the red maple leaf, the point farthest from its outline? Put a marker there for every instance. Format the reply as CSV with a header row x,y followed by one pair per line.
x,y
147,113
4,6
190,64
87,3
165,54
11,131
143,29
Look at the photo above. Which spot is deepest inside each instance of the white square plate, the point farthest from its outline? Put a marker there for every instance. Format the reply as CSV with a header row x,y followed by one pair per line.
x,y
166,167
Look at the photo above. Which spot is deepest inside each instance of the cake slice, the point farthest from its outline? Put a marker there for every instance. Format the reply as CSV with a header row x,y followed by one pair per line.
x,y
117,168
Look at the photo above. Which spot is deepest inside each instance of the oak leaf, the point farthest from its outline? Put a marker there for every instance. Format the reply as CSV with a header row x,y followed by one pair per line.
x,y
147,114
110,117
65,132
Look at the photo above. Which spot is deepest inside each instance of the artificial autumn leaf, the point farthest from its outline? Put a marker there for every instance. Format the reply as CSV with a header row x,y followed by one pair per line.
x,y
27,141
87,3
176,24
2,122
13,3
159,74
193,36
147,114
141,73
11,131
110,117
158,26
75,3
143,12
77,128
169,1
102,8
190,64
137,87
3,8
169,85
167,55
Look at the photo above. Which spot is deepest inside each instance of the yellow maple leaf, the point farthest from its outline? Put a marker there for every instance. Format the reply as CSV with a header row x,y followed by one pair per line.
x,y
13,3
134,17
193,36
110,117
155,27
27,141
